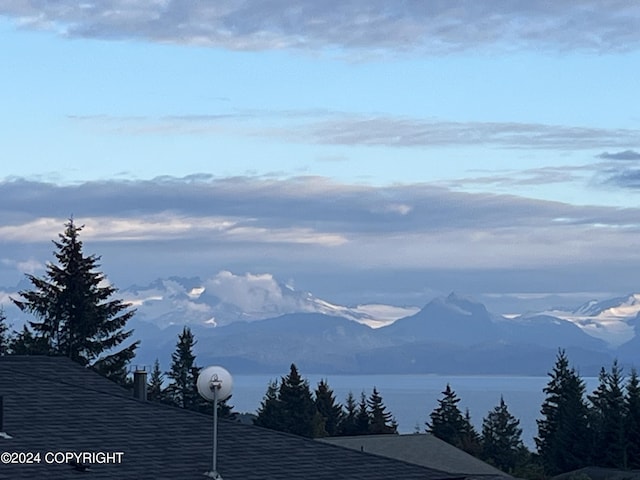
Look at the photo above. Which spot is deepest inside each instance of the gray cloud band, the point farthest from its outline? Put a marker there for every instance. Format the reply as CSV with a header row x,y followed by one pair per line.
x,y
338,128
433,27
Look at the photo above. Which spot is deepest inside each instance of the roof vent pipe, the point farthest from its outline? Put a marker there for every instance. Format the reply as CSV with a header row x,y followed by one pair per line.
x,y
140,383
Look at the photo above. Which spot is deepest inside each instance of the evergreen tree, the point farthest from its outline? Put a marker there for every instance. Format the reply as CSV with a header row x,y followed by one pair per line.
x,y
225,410
183,389
563,431
470,440
299,414
76,316
380,421
502,444
632,421
327,407
5,338
155,390
25,342
348,423
270,411
607,419
363,420
447,422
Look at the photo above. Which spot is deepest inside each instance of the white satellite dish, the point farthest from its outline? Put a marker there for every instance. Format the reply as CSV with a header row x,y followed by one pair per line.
x,y
215,379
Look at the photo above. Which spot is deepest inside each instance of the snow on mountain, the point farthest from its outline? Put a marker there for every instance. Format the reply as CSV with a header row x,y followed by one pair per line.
x,y
608,320
226,298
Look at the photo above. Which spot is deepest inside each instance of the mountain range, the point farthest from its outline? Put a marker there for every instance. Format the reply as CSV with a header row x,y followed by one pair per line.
x,y
255,324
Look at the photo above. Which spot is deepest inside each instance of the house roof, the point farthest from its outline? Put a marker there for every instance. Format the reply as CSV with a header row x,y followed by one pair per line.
x,y
600,473
421,449
54,405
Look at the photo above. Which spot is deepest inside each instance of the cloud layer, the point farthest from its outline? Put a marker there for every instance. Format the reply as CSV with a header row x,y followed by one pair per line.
x,y
313,227
372,25
339,128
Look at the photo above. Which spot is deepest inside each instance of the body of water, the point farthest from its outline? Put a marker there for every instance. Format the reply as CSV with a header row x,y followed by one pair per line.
x,y
410,398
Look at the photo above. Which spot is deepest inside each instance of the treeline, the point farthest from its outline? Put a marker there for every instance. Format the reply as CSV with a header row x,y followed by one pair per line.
x,y
598,429
575,429
289,406
499,442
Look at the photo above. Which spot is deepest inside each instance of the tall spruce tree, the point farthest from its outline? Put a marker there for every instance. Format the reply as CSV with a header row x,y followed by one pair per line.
x,y
632,420
447,422
606,415
502,444
182,391
5,337
380,420
76,316
348,423
563,431
330,411
270,412
470,440
155,389
363,420
299,414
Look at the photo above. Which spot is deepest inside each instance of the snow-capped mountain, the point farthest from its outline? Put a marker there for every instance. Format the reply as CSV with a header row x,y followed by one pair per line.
x,y
609,320
226,298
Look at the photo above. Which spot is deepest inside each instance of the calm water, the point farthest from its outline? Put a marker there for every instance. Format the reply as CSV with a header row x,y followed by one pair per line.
x,y
412,397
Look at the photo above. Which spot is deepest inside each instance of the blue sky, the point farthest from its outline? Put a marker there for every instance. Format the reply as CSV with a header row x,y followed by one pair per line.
x,y
430,142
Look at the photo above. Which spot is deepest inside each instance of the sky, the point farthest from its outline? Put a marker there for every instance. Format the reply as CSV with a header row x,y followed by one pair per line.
x,y
365,151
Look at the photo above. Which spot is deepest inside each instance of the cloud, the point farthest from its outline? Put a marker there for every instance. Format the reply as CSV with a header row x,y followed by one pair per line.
x,y
339,128
624,155
351,236
531,176
625,178
252,293
30,265
357,25
411,132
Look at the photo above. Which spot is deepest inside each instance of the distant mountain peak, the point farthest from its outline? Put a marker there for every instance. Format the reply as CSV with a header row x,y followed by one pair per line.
x,y
227,297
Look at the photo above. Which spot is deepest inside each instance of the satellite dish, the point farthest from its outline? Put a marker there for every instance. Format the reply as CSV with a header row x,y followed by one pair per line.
x,y
215,378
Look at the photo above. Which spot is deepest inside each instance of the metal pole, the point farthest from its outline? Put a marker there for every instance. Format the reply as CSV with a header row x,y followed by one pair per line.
x,y
215,432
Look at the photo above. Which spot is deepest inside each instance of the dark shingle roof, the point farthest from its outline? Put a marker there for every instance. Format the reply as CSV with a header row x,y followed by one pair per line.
x,y
52,404
421,449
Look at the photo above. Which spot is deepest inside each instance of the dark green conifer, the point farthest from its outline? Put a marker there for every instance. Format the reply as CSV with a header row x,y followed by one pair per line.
x,y
380,420
76,316
502,444
5,337
299,414
447,422
329,410
363,420
606,415
632,421
470,439
348,423
563,431
182,391
155,389
269,413
25,342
